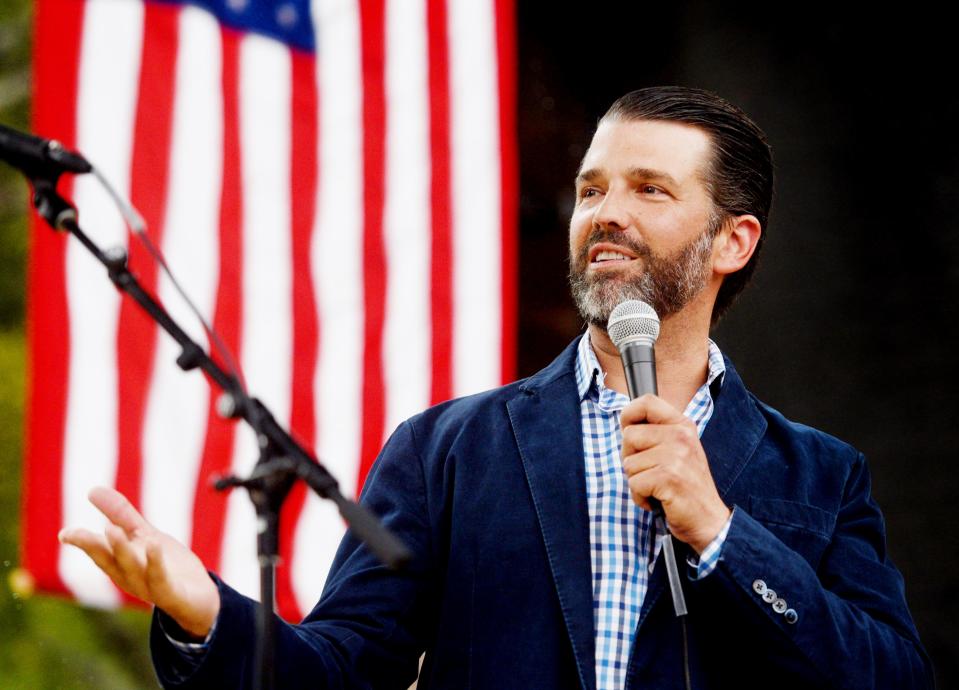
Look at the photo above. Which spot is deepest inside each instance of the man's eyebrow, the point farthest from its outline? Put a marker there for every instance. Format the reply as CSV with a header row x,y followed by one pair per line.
x,y
589,175
651,174
637,173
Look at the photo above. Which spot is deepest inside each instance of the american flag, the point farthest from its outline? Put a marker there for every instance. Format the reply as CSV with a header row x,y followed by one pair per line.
x,y
334,183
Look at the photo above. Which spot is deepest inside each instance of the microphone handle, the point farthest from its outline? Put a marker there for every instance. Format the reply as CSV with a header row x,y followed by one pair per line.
x,y
639,363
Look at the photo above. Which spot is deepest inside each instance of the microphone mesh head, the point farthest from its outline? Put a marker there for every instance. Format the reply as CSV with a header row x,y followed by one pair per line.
x,y
633,321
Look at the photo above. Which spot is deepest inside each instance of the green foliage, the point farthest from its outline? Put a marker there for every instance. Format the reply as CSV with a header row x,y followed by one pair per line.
x,y
14,92
45,642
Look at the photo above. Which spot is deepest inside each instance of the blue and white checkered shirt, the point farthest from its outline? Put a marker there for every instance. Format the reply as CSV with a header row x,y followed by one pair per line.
x,y
620,531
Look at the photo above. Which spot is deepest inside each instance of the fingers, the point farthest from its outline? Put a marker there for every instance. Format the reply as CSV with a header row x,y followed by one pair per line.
x,y
83,539
640,437
93,545
156,578
661,480
116,552
681,438
658,461
130,557
643,486
651,409
165,586
118,509
160,582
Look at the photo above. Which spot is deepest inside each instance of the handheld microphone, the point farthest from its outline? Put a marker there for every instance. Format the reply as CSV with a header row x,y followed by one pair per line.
x,y
634,327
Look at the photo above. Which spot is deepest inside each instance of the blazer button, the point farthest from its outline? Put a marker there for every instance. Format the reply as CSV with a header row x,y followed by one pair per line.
x,y
769,596
759,587
791,616
779,606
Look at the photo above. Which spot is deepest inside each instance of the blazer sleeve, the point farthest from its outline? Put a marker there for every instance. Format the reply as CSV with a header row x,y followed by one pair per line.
x,y
369,627
848,625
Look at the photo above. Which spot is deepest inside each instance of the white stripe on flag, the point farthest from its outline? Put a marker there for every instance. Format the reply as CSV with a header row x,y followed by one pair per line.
x,y
477,236
337,263
176,417
406,346
109,71
266,337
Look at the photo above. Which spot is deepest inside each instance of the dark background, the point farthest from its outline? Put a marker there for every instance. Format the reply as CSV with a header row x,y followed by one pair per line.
x,y
850,323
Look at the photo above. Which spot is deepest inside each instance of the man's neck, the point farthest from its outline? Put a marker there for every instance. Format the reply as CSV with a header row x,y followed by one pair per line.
x,y
682,359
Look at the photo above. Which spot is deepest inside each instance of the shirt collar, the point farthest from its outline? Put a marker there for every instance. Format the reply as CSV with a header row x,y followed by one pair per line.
x,y
590,377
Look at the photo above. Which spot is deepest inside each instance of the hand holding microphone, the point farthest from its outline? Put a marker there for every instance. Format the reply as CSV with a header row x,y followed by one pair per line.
x,y
664,460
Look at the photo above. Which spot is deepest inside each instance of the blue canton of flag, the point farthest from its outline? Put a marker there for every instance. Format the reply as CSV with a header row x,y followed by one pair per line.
x,y
288,21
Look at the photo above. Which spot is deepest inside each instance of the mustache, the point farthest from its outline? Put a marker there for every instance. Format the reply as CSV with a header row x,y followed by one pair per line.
x,y
618,237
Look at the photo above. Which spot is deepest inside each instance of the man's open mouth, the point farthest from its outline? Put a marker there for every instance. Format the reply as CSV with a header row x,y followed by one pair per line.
x,y
607,255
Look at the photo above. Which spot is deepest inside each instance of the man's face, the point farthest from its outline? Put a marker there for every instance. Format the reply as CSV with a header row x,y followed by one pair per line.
x,y
644,222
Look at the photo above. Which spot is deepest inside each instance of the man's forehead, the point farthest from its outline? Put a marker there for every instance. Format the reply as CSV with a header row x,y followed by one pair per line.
x,y
671,151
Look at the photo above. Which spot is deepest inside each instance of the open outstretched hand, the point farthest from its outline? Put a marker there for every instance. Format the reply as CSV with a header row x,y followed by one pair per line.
x,y
149,564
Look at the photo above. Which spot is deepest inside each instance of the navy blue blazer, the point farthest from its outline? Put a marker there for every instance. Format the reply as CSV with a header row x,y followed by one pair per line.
x,y
489,493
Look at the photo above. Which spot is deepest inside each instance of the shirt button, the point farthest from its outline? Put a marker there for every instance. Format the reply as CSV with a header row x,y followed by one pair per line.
x,y
769,596
791,616
759,587
779,606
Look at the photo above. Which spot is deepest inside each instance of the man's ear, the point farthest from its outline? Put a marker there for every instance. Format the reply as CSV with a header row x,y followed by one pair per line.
x,y
735,243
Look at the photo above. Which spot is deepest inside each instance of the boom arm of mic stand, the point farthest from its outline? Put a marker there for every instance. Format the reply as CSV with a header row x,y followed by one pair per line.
x,y
61,215
282,459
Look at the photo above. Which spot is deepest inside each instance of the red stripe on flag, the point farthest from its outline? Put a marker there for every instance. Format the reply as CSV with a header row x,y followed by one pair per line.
x,y
509,184
136,331
209,507
303,170
372,28
441,259
58,26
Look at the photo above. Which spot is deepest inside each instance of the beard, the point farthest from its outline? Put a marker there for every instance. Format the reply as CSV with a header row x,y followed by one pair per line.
x,y
666,283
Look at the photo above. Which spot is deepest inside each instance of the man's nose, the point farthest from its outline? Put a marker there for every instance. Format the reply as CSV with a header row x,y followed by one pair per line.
x,y
612,211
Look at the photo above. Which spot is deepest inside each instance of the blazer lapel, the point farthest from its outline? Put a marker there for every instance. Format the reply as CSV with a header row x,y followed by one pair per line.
x,y
733,432
545,418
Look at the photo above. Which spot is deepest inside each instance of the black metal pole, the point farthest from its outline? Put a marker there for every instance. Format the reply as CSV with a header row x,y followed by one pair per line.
x,y
263,661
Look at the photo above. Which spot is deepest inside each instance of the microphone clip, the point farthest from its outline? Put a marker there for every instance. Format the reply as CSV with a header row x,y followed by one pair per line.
x,y
43,161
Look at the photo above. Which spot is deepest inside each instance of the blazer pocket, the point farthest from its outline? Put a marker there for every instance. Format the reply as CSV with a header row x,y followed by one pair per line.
x,y
805,528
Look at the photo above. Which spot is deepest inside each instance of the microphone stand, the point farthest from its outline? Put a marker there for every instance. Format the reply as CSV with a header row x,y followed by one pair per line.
x,y
282,460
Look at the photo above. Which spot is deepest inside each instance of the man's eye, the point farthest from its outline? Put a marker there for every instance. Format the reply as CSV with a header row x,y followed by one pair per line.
x,y
588,192
650,189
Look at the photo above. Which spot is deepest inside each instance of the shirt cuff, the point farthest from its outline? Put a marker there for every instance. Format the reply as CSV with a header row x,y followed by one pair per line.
x,y
175,634
702,565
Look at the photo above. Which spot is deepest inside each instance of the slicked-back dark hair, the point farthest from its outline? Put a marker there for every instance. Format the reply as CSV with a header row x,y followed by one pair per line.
x,y
739,174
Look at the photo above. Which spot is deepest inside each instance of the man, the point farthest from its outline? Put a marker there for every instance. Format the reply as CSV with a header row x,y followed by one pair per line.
x,y
536,561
